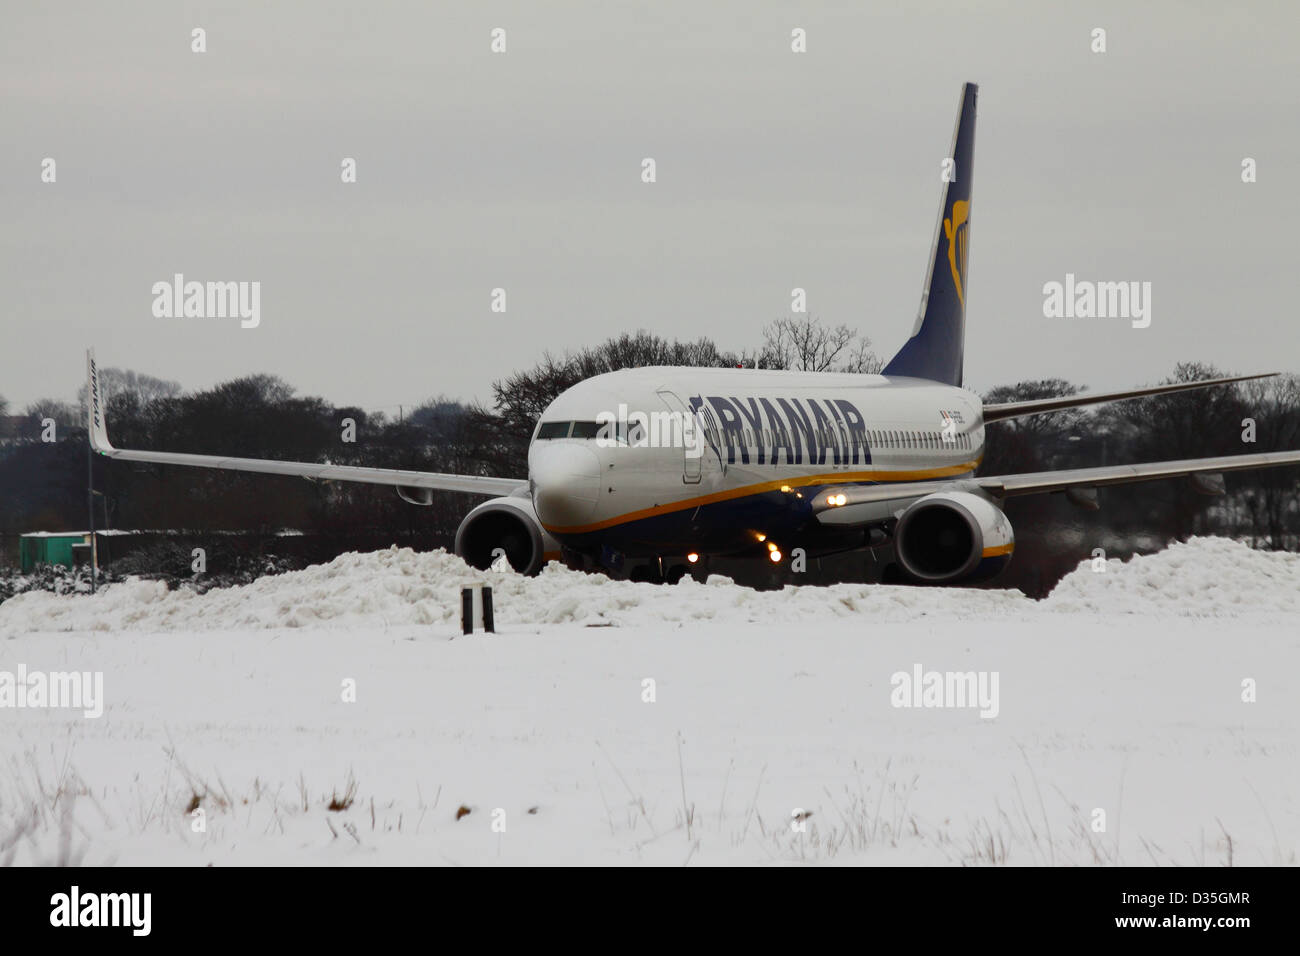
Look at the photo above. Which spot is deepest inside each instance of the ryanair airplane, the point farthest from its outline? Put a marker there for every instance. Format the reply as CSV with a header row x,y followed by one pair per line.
x,y
656,469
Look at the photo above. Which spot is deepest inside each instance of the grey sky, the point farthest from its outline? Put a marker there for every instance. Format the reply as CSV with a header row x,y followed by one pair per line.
x,y
522,170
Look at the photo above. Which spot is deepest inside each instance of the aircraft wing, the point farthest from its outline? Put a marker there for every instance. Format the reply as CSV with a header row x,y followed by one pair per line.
x,y
1006,486
317,471
1031,483
997,413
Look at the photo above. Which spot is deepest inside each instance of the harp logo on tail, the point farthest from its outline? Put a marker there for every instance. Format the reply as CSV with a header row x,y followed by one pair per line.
x,y
957,229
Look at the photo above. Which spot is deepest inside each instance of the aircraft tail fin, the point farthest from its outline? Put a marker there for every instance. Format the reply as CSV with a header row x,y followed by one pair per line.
x,y
936,347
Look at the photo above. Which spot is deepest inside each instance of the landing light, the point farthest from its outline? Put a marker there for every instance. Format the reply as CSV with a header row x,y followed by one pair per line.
x,y
692,557
771,546
785,487
762,537
774,555
836,500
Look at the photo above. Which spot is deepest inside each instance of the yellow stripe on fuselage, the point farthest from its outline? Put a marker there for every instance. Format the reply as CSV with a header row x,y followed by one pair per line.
x,y
835,478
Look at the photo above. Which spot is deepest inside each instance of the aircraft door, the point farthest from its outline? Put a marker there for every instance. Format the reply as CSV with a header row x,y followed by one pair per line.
x,y
686,428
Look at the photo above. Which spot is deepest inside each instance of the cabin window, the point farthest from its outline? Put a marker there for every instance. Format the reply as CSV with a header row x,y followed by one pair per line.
x,y
553,430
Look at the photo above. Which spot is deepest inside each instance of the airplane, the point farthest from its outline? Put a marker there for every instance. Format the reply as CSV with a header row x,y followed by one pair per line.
x,y
659,469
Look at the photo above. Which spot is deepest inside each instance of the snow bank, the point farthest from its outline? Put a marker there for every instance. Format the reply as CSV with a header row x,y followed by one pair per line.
x,y
402,587
1205,577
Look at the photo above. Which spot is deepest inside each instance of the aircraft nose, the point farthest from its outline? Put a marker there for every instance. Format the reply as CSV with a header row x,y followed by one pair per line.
x,y
565,483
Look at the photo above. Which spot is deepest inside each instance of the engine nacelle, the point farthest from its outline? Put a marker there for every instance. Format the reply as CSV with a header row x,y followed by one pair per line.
x,y
953,536
505,525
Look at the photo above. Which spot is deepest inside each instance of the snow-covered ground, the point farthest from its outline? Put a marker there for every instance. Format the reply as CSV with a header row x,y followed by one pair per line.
x,y
1120,695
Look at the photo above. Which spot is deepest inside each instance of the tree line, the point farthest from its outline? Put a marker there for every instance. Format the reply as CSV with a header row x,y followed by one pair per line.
x,y
43,483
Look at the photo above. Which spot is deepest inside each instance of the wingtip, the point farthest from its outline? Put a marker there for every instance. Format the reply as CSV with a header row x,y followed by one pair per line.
x,y
96,420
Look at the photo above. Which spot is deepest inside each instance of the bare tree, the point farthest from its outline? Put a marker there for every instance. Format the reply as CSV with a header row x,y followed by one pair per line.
x,y
862,360
1271,495
121,381
63,414
1172,427
1035,442
806,345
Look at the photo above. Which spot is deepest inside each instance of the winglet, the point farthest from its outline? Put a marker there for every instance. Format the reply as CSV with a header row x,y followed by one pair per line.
x,y
97,424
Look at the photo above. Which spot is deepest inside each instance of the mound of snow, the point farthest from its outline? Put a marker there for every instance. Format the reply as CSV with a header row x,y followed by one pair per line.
x,y
403,587
1206,577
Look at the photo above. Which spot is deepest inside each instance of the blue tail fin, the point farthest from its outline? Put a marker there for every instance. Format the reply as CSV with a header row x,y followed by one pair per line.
x,y
934,351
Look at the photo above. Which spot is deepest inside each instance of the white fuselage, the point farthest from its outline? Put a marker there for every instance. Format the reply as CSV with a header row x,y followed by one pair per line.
x,y
657,460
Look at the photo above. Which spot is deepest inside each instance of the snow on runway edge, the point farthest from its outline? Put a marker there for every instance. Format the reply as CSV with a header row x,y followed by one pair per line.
x,y
1121,734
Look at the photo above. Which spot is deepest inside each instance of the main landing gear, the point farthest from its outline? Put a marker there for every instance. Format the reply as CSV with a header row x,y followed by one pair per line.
x,y
663,571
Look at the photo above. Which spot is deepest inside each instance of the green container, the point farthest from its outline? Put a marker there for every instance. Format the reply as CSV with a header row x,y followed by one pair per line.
x,y
43,547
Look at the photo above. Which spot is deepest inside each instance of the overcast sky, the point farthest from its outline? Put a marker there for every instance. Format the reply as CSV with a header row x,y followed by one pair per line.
x,y
523,171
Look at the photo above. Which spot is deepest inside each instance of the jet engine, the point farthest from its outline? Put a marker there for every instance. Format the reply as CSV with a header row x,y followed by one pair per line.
x,y
506,526
953,536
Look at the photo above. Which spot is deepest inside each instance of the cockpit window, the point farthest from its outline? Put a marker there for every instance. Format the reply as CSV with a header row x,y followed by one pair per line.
x,y
585,430
553,430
